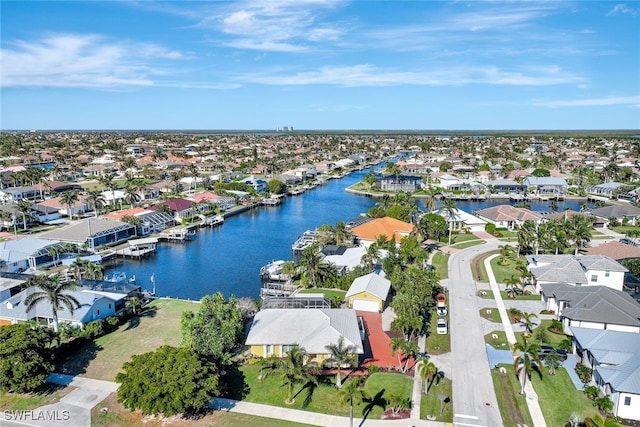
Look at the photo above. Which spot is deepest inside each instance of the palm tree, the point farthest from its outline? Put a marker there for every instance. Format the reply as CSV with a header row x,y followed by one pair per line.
x,y
430,198
449,209
134,304
427,371
94,271
527,320
510,285
24,207
523,361
96,200
506,254
393,169
370,179
291,369
580,231
341,354
107,180
52,290
599,421
350,391
69,198
343,234
312,266
406,348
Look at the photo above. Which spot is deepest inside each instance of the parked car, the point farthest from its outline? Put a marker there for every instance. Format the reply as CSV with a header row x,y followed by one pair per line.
x,y
441,299
441,326
441,309
546,350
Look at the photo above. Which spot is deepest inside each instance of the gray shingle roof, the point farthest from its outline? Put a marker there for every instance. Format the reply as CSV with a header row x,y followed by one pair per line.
x,y
618,356
617,211
312,329
599,304
569,268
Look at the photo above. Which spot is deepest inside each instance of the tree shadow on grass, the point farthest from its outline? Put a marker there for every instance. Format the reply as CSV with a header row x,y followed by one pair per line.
x,y
134,322
233,384
371,402
73,359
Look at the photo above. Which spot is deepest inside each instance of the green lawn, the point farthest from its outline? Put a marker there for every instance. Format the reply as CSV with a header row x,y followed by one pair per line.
x,y
440,263
513,406
491,313
330,294
624,229
477,267
499,343
102,358
468,244
45,395
437,344
559,398
502,272
323,398
489,295
552,338
432,405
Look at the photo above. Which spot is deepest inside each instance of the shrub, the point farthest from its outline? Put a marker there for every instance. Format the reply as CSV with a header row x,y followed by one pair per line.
x,y
94,329
584,373
490,228
112,321
556,327
373,369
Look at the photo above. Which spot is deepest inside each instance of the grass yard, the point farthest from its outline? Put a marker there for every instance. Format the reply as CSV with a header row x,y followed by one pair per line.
x,y
491,314
118,416
102,358
513,406
330,294
468,244
440,262
477,267
500,342
45,395
324,398
502,272
437,344
432,405
552,338
559,398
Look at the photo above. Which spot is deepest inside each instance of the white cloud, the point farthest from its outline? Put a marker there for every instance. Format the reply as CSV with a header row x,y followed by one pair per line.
x,y
368,75
623,9
633,101
81,60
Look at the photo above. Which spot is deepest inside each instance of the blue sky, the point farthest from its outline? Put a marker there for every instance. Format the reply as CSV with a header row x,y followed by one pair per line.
x,y
320,64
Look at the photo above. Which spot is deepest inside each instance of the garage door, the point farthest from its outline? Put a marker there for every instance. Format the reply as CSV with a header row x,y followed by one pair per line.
x,y
365,305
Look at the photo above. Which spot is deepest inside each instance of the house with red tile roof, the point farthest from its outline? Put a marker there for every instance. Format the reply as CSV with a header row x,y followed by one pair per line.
x,y
391,228
507,216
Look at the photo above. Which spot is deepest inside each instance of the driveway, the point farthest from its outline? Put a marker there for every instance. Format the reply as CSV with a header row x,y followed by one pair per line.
x,y
379,341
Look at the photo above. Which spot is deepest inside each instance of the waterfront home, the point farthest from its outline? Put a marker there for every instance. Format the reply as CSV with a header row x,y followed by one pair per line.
x,y
26,253
615,359
576,270
273,332
181,208
223,202
345,259
368,293
391,228
507,216
546,186
400,183
461,220
50,187
94,305
259,185
150,221
506,186
624,214
594,307
447,180
604,191
93,233
616,250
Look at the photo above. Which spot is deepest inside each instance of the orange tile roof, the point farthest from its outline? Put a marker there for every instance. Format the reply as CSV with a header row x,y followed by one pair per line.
x,y
121,214
389,227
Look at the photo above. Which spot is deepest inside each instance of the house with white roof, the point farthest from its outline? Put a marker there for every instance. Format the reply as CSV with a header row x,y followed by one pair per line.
x,y
615,359
274,332
507,216
20,255
576,270
368,293
549,186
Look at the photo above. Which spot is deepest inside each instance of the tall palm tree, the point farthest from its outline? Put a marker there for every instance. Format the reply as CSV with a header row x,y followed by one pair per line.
x,y
69,198
107,181
527,320
401,346
24,207
349,393
449,209
581,228
53,291
94,271
427,371
292,371
430,198
523,364
393,169
510,285
343,234
341,355
96,200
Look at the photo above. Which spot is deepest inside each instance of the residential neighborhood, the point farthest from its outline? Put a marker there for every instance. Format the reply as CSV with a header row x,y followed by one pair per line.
x,y
394,299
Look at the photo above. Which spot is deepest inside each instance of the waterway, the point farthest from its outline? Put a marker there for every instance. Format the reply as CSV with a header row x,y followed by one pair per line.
x,y
228,258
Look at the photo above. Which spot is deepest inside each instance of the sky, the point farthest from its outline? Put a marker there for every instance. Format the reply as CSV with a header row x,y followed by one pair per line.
x,y
319,65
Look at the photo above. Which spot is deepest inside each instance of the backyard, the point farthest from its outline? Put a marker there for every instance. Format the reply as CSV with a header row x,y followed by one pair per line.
x,y
103,357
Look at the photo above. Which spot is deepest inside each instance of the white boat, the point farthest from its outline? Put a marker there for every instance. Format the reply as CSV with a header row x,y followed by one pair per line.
x,y
118,277
304,241
273,271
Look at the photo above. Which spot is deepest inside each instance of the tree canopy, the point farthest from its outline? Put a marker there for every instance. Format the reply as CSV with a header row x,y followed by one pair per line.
x,y
215,329
25,357
167,381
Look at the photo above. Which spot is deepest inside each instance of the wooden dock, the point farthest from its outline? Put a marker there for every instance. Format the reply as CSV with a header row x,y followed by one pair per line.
x,y
138,248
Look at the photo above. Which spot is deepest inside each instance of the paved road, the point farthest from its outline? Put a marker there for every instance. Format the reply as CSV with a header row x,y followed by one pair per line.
x,y
474,398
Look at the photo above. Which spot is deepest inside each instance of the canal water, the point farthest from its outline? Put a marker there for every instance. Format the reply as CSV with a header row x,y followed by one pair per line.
x,y
228,258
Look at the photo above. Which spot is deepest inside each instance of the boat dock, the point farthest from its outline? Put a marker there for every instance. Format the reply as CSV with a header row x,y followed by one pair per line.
x,y
273,200
276,290
304,241
183,234
138,248
211,221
